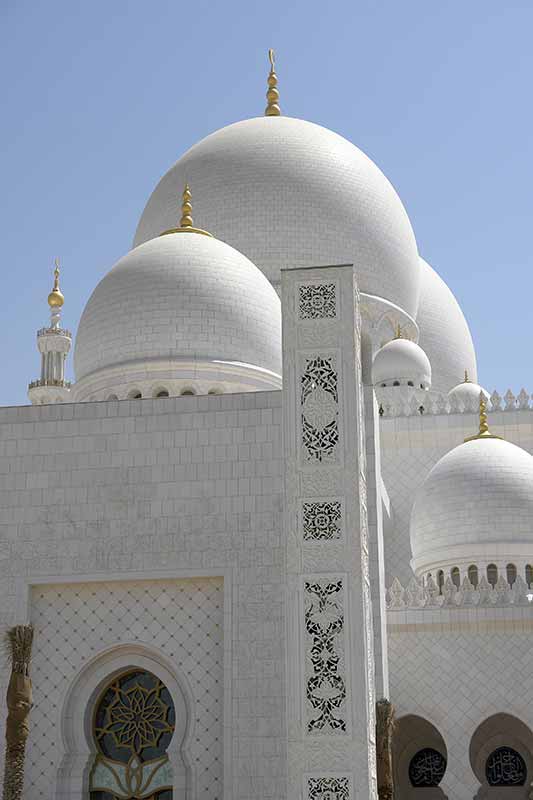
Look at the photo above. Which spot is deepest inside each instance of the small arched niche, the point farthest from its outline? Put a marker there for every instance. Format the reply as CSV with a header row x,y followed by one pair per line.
x,y
79,720
419,759
502,759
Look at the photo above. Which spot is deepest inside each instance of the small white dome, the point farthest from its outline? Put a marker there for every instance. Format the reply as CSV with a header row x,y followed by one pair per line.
x,y
475,507
179,300
443,332
467,394
401,362
289,193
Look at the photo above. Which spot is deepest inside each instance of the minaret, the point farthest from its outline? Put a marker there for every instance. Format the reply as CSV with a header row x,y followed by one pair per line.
x,y
54,344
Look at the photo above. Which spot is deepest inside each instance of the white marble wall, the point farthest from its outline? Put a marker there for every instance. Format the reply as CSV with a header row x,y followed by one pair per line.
x,y
458,667
164,489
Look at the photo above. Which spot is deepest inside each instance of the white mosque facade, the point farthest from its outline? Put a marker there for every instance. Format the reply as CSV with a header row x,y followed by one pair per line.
x,y
254,512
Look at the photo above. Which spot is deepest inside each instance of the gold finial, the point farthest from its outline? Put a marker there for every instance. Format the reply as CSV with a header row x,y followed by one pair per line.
x,y
484,432
55,298
186,208
186,225
398,334
467,379
272,109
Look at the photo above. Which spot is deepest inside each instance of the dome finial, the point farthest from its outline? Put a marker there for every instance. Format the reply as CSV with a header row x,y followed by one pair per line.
x,y
467,379
398,333
272,109
55,298
186,208
484,432
186,225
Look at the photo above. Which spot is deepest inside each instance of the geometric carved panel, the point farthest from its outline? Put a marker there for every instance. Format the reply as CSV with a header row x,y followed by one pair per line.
x,y
321,520
317,301
330,788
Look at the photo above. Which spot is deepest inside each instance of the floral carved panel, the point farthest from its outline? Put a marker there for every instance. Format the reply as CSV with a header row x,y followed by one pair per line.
x,y
325,679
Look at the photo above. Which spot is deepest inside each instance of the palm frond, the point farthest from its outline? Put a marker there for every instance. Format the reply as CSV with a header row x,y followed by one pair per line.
x,y
18,643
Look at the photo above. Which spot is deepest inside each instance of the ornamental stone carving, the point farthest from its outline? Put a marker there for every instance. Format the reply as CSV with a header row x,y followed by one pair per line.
x,y
325,657
317,301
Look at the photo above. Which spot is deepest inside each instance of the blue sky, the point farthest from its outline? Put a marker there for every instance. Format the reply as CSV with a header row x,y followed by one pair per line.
x,y
100,98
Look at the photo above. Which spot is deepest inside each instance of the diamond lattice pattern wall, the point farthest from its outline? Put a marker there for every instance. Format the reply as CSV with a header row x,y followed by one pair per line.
x,y
74,622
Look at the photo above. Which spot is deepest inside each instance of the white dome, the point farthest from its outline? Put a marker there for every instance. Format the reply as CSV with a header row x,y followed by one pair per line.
x,y
401,361
444,332
467,394
290,193
174,303
475,506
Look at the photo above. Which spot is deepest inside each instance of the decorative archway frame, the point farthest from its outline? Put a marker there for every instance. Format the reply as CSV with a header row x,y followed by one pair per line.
x,y
406,744
79,748
501,730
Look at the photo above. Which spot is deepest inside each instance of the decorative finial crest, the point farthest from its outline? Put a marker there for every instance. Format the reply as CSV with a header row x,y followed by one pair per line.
x,y
186,208
467,379
398,334
484,432
55,298
272,109
186,225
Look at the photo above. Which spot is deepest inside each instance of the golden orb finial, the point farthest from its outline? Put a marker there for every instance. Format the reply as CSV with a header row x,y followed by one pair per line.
x,y
272,109
186,225
484,432
56,298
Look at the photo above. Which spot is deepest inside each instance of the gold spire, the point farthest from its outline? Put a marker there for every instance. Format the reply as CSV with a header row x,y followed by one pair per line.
x,y
272,109
484,432
398,334
467,379
186,225
55,298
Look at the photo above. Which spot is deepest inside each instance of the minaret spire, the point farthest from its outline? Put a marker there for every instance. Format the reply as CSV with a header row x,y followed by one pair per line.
x,y
186,223
272,109
54,345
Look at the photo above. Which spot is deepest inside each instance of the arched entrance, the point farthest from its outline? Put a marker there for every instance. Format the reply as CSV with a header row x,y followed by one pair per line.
x,y
501,755
138,683
419,759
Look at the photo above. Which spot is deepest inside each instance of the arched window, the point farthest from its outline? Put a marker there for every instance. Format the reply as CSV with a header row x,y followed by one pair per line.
x,y
529,575
511,574
427,768
492,574
456,577
410,383
472,574
187,392
133,725
505,767
162,393
135,394
112,397
396,383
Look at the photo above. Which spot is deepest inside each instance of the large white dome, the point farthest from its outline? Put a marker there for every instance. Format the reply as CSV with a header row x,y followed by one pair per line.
x,y
475,506
290,193
444,333
176,305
